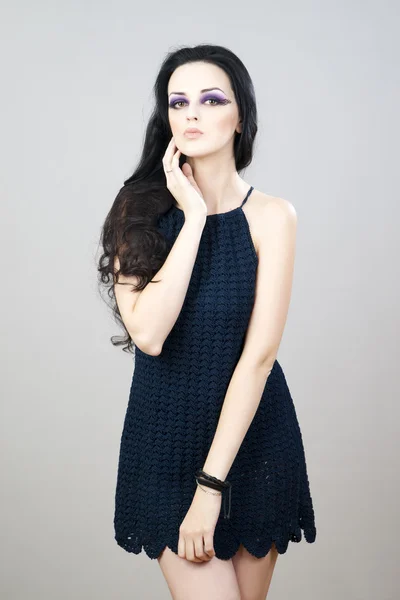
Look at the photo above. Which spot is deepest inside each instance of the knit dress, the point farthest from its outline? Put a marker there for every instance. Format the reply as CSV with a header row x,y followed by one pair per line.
x,y
174,405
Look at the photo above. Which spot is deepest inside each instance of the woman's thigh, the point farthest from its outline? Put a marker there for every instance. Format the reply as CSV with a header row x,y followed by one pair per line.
x,y
254,574
187,580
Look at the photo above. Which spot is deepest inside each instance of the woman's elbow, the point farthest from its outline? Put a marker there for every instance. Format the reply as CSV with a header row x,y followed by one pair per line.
x,y
147,347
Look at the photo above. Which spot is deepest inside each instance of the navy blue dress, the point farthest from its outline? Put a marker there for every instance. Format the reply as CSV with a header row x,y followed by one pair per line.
x,y
174,405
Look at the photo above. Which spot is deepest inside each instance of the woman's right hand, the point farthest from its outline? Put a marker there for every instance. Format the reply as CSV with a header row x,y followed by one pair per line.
x,y
181,183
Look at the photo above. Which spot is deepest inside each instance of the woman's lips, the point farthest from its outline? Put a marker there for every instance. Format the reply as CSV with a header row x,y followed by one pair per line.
x,y
191,134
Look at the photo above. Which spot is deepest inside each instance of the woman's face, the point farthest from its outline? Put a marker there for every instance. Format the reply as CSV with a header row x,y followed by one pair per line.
x,y
200,95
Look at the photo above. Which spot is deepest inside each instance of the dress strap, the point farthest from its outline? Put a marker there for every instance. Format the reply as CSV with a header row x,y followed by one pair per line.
x,y
247,195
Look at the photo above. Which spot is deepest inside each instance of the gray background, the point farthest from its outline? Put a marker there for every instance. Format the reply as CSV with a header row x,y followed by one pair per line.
x,y
76,95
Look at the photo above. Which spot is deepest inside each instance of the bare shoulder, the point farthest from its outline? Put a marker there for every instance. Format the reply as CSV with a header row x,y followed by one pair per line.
x,y
265,213
263,205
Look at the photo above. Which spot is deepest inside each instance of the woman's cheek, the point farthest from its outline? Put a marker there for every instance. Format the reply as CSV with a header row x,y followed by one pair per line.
x,y
226,125
174,122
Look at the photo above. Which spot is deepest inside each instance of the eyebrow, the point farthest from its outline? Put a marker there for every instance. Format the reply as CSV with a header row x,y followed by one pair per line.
x,y
201,91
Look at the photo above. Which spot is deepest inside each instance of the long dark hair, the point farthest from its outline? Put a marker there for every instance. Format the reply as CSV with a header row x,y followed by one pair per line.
x,y
130,228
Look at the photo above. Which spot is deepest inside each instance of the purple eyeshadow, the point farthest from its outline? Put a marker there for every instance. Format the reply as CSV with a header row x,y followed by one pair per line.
x,y
177,99
215,96
210,96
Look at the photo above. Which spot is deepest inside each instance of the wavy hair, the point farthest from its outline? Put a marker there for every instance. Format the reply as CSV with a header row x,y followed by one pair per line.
x,y
130,229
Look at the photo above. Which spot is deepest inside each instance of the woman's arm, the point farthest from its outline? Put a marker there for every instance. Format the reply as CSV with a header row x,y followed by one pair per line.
x,y
150,314
276,250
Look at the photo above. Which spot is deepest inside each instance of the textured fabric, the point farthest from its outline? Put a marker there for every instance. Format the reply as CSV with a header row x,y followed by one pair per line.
x,y
174,406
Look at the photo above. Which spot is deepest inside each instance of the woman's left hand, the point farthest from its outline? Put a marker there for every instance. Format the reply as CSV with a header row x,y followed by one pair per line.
x,y
196,533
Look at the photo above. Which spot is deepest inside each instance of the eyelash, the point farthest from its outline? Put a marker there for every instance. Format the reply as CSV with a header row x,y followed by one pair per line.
x,y
173,104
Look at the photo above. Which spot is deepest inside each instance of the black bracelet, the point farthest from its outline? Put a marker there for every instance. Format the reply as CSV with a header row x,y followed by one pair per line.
x,y
223,484
216,484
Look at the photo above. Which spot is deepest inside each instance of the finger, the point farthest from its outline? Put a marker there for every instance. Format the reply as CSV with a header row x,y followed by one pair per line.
x,y
175,171
187,169
188,173
190,550
173,165
191,180
181,547
175,160
199,549
169,152
209,544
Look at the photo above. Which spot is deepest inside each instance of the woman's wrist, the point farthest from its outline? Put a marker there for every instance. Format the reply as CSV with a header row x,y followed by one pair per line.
x,y
196,219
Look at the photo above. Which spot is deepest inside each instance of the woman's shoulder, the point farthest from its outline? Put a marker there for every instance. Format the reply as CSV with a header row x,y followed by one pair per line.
x,y
262,204
263,210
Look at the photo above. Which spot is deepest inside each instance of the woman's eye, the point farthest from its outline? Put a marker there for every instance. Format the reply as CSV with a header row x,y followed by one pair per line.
x,y
216,101
173,104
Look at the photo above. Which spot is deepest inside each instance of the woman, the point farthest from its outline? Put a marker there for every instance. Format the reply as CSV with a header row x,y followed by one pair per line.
x,y
210,422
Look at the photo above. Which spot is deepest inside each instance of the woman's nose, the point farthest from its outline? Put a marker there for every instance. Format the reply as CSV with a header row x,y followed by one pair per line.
x,y
192,112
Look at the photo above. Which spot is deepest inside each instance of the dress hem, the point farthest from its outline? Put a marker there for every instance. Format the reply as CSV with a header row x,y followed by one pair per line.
x,y
154,550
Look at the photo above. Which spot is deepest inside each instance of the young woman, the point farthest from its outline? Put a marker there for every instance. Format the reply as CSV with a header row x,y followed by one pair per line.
x,y
212,477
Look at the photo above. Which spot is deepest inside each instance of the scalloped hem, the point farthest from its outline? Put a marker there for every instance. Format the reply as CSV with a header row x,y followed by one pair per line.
x,y
153,550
